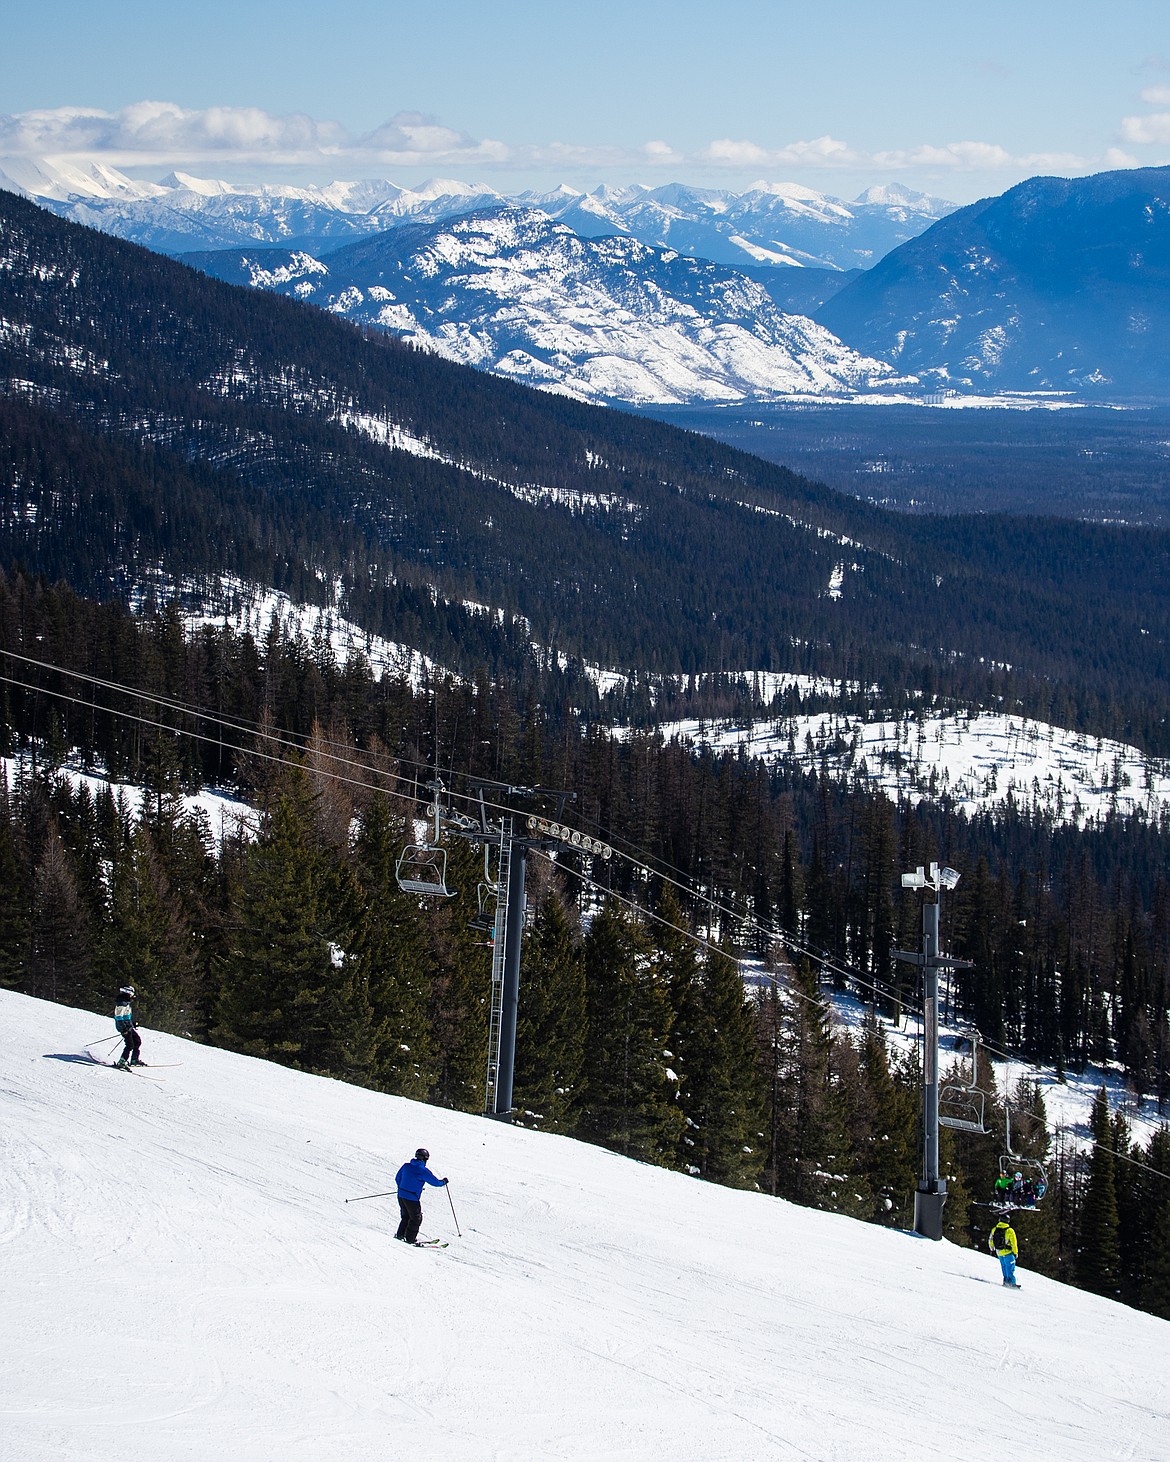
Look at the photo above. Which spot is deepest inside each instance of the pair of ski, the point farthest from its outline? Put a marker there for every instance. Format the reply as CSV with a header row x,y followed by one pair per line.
x,y
140,1068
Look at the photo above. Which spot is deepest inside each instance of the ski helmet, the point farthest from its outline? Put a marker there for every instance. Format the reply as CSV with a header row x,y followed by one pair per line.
x,y
1019,1177
423,1153
127,990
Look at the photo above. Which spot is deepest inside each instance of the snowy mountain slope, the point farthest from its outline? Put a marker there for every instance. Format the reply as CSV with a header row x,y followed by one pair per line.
x,y
778,224
1058,284
979,762
601,319
182,1277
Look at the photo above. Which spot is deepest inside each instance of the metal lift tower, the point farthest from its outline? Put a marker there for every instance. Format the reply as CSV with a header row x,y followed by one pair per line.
x,y
931,1193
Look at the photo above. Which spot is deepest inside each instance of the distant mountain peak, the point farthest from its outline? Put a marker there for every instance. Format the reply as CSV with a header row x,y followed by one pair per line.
x,y
770,224
515,292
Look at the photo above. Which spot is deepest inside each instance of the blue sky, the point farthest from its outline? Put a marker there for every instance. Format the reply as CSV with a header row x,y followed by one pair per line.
x,y
957,101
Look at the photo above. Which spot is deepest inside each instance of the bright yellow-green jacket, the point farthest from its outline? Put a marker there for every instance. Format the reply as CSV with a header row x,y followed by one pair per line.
x,y
1007,1240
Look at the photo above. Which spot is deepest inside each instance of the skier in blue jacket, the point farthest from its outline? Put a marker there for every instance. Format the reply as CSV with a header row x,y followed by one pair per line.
x,y
410,1180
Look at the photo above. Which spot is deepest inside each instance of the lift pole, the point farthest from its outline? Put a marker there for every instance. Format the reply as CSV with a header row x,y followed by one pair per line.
x,y
513,935
508,931
931,1193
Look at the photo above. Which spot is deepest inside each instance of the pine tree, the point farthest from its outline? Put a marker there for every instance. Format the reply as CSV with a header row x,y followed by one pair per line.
x,y
1098,1260
724,1090
459,989
814,1155
276,977
628,1099
147,941
391,941
59,966
14,902
887,1129
550,1026
1155,1290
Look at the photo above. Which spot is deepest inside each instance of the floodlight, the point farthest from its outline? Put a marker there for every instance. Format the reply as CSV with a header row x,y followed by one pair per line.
x,y
948,877
917,879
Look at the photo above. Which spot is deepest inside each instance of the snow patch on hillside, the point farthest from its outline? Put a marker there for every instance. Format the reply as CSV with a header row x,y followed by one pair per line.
x,y
979,761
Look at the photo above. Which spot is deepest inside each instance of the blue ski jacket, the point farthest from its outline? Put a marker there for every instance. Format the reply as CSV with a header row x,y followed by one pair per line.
x,y
412,1176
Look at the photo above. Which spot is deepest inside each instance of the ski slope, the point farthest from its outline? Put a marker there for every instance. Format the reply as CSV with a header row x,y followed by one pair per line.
x,y
182,1280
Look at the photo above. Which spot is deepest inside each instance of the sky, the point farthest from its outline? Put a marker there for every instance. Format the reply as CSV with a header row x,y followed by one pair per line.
x,y
957,101
183,1278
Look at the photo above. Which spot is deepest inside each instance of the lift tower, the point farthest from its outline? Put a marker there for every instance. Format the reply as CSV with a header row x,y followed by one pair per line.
x,y
931,1193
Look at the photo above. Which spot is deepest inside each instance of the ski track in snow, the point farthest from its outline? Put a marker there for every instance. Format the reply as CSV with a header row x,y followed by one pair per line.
x,y
183,1279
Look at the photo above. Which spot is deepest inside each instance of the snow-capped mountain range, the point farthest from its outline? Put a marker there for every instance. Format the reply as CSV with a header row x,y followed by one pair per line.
x,y
775,225
512,291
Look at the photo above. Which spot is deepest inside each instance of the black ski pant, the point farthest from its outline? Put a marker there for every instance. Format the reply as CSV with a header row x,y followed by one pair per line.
x,y
411,1210
133,1045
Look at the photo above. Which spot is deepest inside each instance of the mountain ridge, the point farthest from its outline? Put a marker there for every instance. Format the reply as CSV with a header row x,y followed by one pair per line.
x,y
781,224
511,291
1057,284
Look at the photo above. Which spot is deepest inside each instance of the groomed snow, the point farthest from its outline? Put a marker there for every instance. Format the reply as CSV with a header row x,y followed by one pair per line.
x,y
183,1280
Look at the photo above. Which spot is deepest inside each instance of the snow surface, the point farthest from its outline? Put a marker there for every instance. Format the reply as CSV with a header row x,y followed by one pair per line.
x,y
979,759
598,318
183,1279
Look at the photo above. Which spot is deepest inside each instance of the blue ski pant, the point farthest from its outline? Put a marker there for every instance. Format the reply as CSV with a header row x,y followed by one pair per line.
x,y
1007,1262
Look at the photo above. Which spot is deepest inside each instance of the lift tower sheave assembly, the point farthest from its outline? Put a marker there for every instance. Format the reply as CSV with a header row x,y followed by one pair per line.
x,y
931,1193
422,869
514,834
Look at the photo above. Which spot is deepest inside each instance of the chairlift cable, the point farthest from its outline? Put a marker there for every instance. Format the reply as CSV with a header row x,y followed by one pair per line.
x,y
288,742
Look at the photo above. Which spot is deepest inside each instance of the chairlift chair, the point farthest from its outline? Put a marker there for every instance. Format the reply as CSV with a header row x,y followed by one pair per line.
x,y
1029,1188
487,893
422,867
961,1104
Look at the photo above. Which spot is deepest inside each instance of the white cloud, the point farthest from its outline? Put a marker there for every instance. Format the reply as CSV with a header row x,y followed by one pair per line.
x,y
819,152
1157,96
153,133
1115,159
162,129
829,152
1149,131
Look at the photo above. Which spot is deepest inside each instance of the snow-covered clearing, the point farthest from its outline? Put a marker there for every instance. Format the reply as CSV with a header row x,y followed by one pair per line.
x,y
183,1279
979,760
223,813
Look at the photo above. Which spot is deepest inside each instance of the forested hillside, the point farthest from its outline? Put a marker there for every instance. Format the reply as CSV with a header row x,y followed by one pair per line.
x,y
157,419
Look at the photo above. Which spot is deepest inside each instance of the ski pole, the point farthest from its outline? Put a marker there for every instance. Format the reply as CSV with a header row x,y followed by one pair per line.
x,y
109,1041
451,1201
364,1196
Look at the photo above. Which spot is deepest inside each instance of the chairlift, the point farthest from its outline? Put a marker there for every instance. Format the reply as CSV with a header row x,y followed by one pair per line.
x,y
487,899
422,867
1023,1181
961,1104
